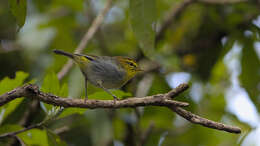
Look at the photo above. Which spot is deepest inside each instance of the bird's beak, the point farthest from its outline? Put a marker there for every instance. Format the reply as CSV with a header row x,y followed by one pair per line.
x,y
139,69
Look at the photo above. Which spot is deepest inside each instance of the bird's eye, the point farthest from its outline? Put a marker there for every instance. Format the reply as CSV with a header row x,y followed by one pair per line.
x,y
89,58
131,64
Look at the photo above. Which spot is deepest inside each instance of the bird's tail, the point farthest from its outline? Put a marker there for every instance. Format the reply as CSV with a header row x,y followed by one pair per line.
x,y
70,55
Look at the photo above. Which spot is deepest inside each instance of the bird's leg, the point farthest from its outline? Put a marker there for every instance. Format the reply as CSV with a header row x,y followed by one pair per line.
x,y
86,90
100,85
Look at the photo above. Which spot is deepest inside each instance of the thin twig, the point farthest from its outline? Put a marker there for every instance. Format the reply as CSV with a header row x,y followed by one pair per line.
x,y
61,130
222,1
129,138
32,109
203,121
142,90
144,85
38,125
20,140
146,134
176,91
88,35
10,134
171,17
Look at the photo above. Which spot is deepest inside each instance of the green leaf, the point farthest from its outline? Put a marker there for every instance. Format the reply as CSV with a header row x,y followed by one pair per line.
x,y
51,84
161,117
74,5
121,94
18,9
9,128
159,85
105,95
8,108
250,76
54,139
6,85
33,81
143,17
70,111
63,92
34,137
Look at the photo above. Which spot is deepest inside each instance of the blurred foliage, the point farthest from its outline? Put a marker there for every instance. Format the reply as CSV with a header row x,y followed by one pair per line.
x,y
18,9
54,139
51,85
34,137
6,85
250,76
200,42
143,17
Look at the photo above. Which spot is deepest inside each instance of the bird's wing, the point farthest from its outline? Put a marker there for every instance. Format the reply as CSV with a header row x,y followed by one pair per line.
x,y
89,57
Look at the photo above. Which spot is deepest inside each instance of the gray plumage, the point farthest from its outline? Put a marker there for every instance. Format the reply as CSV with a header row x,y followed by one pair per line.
x,y
106,72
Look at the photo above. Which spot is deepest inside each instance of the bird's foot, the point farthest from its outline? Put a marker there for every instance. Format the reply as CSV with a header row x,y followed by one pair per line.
x,y
85,100
115,99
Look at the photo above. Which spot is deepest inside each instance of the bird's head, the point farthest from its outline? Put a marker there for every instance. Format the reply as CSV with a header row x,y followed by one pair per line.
x,y
129,65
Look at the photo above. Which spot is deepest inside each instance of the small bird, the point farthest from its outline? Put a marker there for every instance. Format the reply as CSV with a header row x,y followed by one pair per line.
x,y
104,71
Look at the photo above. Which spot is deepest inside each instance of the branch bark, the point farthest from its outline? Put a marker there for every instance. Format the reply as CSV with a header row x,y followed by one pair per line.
x,y
163,100
203,121
32,91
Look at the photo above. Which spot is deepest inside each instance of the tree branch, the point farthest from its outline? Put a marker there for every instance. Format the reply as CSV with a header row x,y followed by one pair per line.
x,y
32,91
203,121
88,35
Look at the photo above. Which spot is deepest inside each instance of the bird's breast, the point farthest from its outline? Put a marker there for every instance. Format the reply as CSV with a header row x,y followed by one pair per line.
x,y
108,73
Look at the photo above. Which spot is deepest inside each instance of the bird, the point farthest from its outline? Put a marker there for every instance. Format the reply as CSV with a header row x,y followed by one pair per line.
x,y
106,72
